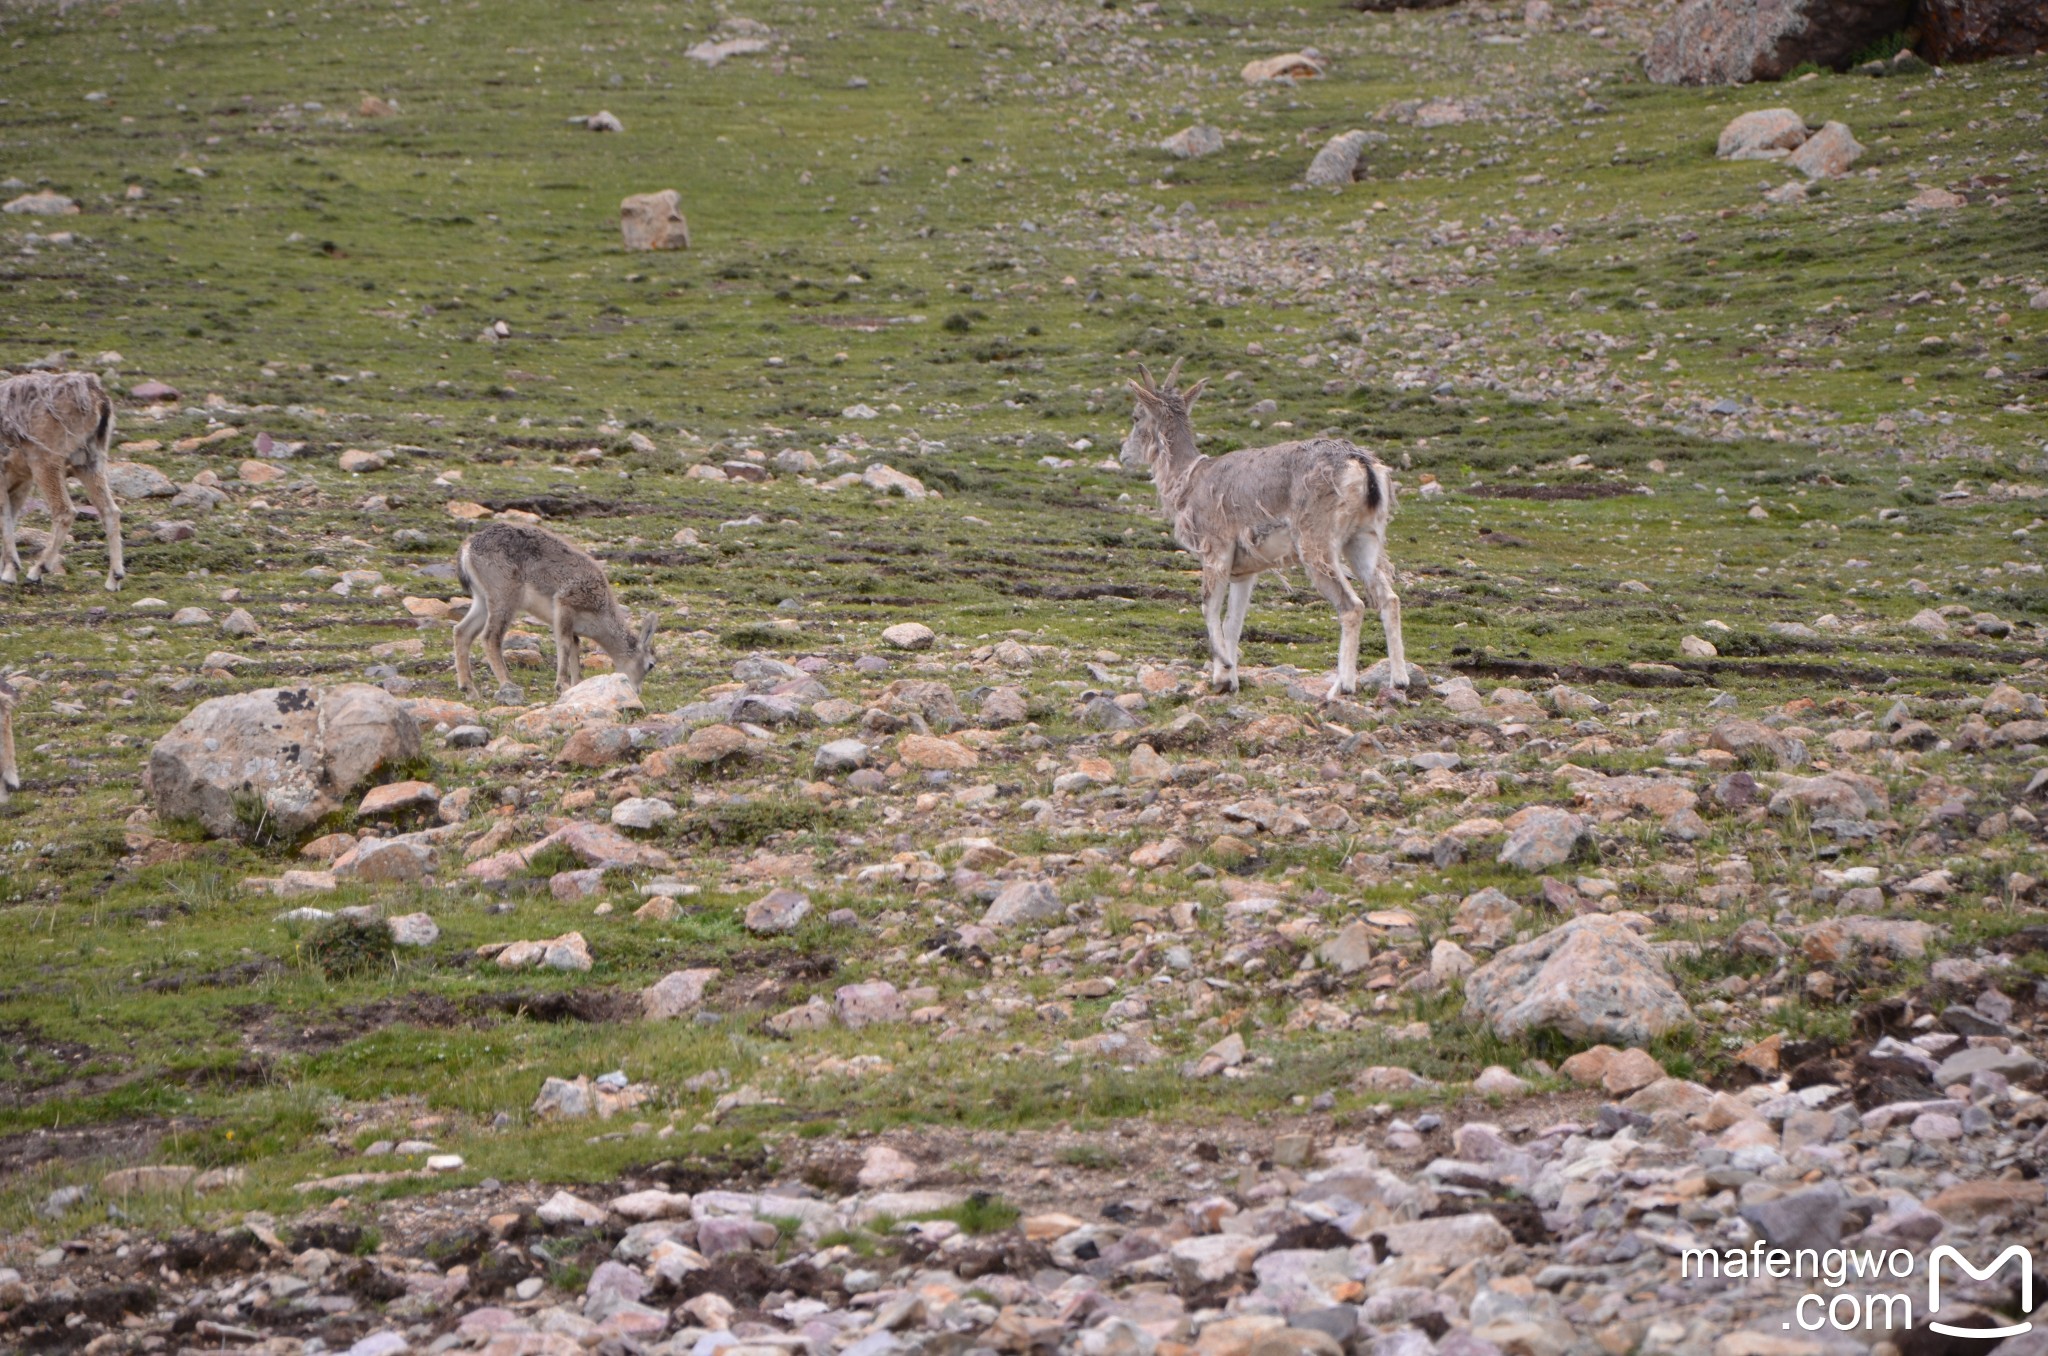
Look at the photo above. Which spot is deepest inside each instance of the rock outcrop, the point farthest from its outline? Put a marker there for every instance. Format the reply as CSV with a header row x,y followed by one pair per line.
x,y
1953,31
1762,134
1592,979
1732,42
1337,163
278,760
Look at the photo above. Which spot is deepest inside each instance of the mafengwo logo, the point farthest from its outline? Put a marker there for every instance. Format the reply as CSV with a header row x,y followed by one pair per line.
x,y
2015,1253
1854,1301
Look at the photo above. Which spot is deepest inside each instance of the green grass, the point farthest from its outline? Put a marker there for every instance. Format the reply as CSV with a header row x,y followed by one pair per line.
x,y
980,1213
330,276
343,947
1088,1156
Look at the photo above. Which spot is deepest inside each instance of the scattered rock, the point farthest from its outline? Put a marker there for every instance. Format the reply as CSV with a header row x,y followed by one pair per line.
x,y
715,744
1837,795
1593,979
277,760
1337,163
1541,837
840,755
1812,1218
885,1167
397,798
889,480
676,994
1936,200
566,952
642,812
1828,153
654,221
43,203
1756,745
715,53
777,912
1024,902
133,480
413,929
1487,918
859,1005
563,1209
930,751
579,1098
1192,143
1764,134
909,636
1287,66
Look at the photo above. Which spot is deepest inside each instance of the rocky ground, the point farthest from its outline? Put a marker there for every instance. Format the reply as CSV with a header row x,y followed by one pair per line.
x,y
925,960
1540,1224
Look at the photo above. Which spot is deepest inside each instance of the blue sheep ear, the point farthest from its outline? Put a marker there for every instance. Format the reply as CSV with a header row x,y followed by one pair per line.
x,y
1194,393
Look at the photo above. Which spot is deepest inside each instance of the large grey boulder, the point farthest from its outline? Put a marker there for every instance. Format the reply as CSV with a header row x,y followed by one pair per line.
x,y
777,912
277,760
1964,1065
1756,744
139,480
1542,836
1590,980
1192,143
1731,42
1762,134
42,203
1337,163
1828,153
675,994
654,221
1024,902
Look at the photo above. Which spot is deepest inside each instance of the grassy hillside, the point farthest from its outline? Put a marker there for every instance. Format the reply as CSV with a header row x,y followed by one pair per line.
x,y
1625,396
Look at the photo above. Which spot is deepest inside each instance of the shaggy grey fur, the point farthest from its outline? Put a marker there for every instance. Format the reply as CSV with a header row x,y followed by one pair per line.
x,y
54,425
512,570
1321,503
